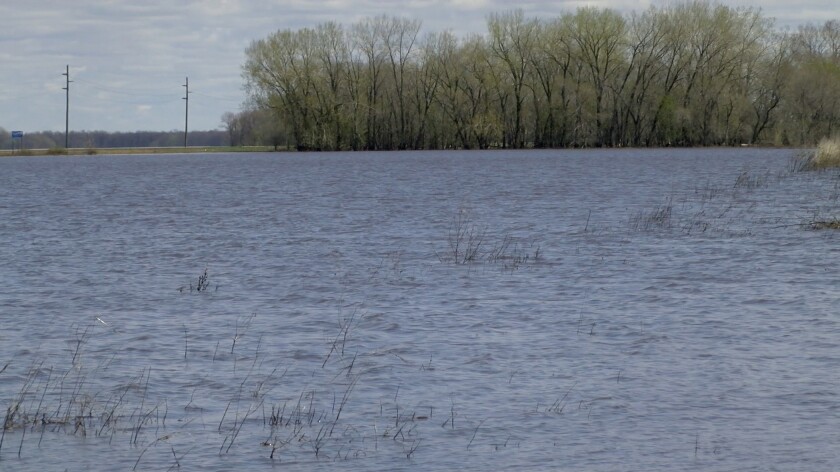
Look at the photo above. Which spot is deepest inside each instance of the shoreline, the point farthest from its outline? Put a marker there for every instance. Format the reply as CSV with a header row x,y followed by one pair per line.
x,y
130,150
248,149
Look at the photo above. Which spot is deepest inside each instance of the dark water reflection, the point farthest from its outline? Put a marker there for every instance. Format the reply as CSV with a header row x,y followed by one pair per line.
x,y
646,310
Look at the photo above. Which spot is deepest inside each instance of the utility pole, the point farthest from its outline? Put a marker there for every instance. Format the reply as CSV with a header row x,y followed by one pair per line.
x,y
186,109
67,108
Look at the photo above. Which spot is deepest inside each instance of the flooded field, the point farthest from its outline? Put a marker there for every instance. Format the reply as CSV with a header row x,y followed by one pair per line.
x,y
594,310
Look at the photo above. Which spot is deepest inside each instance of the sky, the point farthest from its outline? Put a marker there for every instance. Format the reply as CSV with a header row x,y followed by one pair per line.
x,y
130,59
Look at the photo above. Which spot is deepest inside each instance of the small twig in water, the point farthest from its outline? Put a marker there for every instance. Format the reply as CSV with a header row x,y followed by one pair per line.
x,y
474,433
414,446
696,443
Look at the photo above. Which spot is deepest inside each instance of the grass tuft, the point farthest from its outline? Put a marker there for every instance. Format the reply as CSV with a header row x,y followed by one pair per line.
x,y
826,156
56,151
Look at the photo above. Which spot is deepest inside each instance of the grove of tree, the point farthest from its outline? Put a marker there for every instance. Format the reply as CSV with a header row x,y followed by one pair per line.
x,y
687,74
106,139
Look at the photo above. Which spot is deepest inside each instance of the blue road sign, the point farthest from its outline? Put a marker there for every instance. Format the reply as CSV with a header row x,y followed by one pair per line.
x,y
17,134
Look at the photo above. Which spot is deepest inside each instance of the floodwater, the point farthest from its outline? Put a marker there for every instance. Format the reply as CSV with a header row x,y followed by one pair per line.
x,y
540,310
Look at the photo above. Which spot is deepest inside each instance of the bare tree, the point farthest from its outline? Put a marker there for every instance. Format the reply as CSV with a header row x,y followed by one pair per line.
x,y
512,43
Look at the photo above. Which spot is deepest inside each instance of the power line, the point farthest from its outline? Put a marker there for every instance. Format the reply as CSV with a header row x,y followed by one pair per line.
x,y
137,96
135,92
216,97
95,97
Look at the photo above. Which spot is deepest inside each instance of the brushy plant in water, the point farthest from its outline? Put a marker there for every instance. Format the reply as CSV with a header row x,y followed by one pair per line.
x,y
465,239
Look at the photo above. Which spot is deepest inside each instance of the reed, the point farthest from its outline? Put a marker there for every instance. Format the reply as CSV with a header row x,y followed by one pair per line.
x,y
339,343
749,181
512,253
469,243
81,400
825,156
660,217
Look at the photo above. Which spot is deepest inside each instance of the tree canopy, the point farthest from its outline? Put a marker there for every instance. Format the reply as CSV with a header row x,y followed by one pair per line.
x,y
686,74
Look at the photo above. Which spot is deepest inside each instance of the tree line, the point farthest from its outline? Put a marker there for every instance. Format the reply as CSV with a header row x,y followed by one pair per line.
x,y
687,74
106,139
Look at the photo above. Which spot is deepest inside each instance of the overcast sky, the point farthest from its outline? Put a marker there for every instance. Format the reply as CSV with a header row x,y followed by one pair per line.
x,y
129,58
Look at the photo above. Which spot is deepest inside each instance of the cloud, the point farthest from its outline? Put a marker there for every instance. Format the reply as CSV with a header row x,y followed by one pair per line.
x,y
128,54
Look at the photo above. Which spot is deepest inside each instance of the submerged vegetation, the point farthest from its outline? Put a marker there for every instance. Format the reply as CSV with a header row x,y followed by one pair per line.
x,y
469,243
730,210
686,74
294,423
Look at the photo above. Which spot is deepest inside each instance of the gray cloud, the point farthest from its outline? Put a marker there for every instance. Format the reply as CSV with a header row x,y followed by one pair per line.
x,y
129,59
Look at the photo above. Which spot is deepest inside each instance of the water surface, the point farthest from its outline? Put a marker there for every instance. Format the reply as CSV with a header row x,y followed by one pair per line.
x,y
645,310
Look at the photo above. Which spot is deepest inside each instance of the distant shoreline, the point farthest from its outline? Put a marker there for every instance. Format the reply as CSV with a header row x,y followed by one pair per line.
x,y
135,150
248,149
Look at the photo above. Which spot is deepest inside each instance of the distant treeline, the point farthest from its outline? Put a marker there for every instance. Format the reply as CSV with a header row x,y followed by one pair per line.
x,y
687,74
105,139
